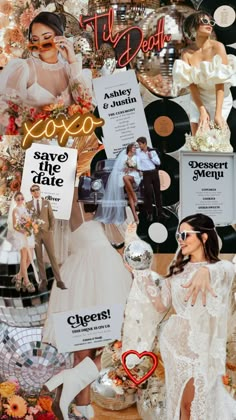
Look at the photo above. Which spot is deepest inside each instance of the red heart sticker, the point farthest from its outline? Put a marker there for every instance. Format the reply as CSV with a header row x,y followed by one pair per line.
x,y
140,355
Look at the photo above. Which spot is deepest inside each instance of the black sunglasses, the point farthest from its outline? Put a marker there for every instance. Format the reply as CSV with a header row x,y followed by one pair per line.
x,y
205,21
185,234
35,189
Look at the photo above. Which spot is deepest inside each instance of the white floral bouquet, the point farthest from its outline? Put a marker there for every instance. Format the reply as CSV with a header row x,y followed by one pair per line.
x,y
131,163
210,139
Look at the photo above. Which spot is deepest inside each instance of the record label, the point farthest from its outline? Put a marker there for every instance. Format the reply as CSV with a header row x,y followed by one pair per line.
x,y
167,123
164,126
224,13
224,16
165,180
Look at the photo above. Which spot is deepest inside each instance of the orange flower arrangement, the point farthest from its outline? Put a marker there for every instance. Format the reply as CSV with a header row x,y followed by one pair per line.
x,y
14,35
16,407
6,8
16,404
7,389
45,401
226,380
15,185
27,16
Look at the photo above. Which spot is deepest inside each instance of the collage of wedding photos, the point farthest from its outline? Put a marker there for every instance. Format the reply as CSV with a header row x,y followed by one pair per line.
x,y
118,209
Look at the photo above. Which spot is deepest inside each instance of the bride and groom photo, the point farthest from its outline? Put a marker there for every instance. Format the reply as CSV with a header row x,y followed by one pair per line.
x,y
30,227
135,171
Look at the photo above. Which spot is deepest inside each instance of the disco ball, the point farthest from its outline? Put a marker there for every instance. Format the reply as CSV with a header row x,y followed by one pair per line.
x,y
84,43
20,309
24,356
104,394
151,401
153,68
138,255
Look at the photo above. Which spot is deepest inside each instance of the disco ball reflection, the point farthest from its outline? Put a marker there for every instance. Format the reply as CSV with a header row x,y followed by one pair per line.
x,y
19,309
25,357
154,68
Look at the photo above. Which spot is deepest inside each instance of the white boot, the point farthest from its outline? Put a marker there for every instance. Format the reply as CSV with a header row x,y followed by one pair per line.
x,y
86,410
75,380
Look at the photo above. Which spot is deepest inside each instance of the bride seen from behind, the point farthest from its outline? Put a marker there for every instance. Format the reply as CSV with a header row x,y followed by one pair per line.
x,y
94,274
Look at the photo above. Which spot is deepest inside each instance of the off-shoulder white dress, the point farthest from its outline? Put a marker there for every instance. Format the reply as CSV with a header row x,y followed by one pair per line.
x,y
206,76
192,342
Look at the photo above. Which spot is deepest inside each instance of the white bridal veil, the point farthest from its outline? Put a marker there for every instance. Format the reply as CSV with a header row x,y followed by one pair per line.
x,y
112,207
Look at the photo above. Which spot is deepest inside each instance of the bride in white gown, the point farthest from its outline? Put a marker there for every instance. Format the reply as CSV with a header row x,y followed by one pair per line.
x,y
207,71
22,241
94,274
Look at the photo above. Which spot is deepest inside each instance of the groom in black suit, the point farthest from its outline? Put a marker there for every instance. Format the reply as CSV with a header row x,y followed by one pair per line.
x,y
149,162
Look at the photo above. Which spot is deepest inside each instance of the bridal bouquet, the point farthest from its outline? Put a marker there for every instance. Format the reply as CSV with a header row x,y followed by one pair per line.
x,y
28,224
130,163
211,139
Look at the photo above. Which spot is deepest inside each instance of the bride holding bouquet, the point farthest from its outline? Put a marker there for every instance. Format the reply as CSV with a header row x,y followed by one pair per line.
x,y
21,229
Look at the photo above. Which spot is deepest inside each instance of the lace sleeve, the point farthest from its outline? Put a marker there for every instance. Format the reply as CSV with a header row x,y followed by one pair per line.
x,y
130,233
221,277
209,324
158,292
141,319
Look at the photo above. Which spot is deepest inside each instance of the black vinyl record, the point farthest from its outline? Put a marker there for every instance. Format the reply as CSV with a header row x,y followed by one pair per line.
x,y
101,155
227,235
231,120
232,51
170,165
171,224
167,122
98,131
224,13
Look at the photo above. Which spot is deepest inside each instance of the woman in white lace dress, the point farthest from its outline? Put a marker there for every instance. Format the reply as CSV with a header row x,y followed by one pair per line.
x,y
193,341
207,71
22,242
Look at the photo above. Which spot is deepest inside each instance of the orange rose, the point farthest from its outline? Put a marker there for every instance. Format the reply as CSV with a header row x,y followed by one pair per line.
x,y
45,401
15,185
117,344
74,109
6,8
225,379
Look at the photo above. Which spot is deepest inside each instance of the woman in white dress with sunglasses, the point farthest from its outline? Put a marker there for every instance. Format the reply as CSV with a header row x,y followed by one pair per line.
x,y
207,71
53,72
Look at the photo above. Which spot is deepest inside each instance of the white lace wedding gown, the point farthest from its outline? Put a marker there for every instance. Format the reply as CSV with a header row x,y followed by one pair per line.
x,y
192,342
206,76
94,274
